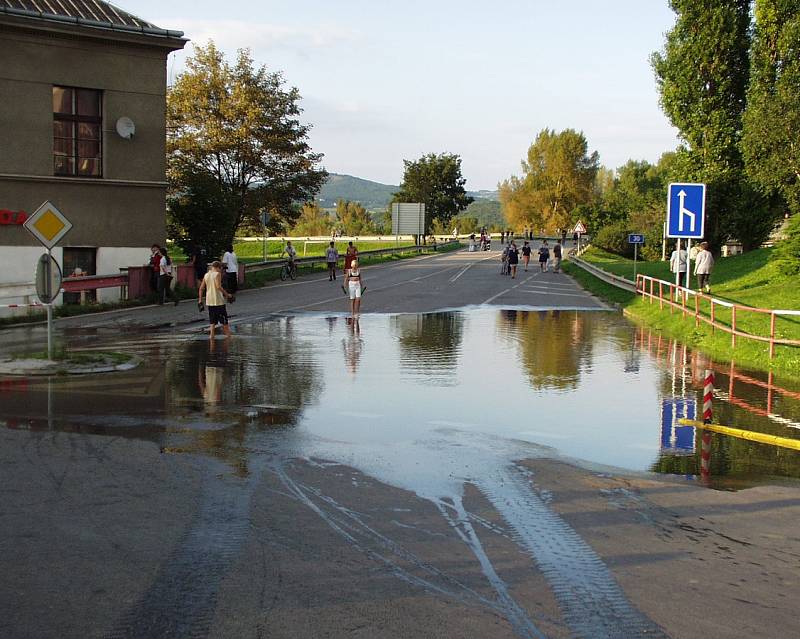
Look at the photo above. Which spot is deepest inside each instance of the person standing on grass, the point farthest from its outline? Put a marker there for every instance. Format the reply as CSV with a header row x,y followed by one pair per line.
x,y
231,263
165,279
331,257
703,265
215,299
678,263
557,257
352,283
544,256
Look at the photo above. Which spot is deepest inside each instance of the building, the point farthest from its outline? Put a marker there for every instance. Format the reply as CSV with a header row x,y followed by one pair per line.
x,y
82,124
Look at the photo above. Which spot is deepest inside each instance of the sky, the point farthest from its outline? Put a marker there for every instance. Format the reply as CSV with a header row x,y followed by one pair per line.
x,y
386,81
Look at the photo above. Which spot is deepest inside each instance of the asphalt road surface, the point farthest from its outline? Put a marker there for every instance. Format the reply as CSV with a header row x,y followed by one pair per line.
x,y
176,501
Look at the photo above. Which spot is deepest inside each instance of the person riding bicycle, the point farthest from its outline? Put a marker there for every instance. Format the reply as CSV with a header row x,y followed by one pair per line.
x,y
291,254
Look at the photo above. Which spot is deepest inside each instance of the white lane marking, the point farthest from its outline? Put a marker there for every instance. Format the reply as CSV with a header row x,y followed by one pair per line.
x,y
508,290
536,291
469,266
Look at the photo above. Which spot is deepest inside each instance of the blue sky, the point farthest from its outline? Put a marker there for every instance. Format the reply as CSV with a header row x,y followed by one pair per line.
x,y
387,81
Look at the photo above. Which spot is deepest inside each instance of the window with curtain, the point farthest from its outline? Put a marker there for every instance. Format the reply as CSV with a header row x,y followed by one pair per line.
x,y
77,132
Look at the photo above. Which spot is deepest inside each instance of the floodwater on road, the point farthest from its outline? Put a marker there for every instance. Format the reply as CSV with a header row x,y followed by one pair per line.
x,y
414,398
429,403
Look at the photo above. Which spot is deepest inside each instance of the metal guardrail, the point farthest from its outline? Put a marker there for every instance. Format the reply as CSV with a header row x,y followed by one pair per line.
x,y
655,289
609,278
254,267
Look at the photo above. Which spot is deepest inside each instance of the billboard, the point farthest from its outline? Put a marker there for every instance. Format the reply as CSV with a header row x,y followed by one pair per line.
x,y
408,219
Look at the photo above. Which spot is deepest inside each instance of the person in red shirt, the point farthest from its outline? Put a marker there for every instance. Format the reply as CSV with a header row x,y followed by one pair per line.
x,y
349,256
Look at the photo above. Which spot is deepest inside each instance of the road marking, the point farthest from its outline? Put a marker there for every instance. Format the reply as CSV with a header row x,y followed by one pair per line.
x,y
469,266
508,290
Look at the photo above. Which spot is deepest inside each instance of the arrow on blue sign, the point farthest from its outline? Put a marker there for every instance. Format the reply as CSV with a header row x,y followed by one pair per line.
x,y
686,210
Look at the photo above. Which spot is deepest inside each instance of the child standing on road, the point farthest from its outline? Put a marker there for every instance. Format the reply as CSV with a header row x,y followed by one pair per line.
x,y
331,257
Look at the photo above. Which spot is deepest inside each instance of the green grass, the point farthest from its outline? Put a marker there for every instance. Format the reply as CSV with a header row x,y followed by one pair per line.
x,y
750,279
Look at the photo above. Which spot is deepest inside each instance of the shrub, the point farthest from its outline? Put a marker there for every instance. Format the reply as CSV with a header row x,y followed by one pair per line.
x,y
787,252
614,239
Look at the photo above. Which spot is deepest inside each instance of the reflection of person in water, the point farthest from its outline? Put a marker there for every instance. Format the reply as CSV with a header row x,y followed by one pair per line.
x,y
209,379
352,345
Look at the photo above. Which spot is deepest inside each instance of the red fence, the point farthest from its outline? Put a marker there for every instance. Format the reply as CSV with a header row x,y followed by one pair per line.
x,y
677,297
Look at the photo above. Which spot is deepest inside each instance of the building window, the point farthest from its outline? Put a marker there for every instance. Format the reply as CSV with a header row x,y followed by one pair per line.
x,y
77,132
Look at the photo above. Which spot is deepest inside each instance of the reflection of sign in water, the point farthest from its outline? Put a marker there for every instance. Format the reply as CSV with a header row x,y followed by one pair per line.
x,y
674,437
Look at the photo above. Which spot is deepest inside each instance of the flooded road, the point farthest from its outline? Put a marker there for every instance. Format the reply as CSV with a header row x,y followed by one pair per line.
x,y
423,443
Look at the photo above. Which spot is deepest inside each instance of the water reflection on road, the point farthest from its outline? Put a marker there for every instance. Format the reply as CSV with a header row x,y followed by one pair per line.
x,y
590,386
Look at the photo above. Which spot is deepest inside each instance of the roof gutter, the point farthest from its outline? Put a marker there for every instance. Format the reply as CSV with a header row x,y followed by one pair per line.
x,y
95,24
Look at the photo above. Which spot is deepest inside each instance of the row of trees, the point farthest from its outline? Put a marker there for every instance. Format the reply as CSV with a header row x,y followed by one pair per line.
x,y
729,81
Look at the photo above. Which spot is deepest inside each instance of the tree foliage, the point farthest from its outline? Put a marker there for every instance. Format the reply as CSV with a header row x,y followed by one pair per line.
x,y
313,221
236,128
436,181
702,76
353,219
557,176
771,141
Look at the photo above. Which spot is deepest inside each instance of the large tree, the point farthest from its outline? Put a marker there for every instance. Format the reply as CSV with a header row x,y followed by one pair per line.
x,y
702,76
436,181
353,218
237,128
558,175
771,142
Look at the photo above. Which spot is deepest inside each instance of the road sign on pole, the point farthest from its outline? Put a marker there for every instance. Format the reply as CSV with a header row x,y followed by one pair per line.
x,y
408,219
48,278
686,210
48,225
580,229
635,239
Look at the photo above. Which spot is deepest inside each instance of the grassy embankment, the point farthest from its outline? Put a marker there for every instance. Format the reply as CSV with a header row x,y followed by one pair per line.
x,y
750,279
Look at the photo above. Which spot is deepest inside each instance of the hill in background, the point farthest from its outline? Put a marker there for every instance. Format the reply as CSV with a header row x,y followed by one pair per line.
x,y
373,196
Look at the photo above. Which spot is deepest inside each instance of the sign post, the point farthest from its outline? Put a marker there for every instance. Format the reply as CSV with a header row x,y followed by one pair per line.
x,y
635,239
264,222
580,229
48,225
686,218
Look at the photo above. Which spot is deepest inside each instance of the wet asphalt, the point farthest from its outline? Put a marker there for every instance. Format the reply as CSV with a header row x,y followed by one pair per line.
x,y
155,504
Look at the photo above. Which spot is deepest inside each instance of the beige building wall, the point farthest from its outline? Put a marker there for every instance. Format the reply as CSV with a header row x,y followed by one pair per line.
x,y
124,208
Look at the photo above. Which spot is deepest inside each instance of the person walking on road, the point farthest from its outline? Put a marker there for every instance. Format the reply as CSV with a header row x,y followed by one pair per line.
x,y
513,259
199,261
702,267
155,260
544,256
231,263
526,255
350,255
353,285
331,257
165,279
215,299
557,257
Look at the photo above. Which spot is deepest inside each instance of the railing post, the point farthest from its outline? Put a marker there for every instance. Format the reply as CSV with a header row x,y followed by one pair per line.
x,y
713,322
733,326
772,334
683,301
660,295
651,290
671,300
697,310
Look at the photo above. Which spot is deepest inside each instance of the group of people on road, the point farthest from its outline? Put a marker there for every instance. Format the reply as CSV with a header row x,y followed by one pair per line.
x,y
510,257
703,264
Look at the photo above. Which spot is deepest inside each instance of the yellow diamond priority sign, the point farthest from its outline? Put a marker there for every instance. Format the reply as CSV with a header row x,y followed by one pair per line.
x,y
48,225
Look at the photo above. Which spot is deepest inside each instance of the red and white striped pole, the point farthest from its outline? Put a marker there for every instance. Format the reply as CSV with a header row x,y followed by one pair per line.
x,y
705,438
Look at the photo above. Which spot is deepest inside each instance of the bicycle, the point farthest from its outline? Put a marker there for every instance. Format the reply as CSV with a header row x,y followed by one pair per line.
x,y
288,270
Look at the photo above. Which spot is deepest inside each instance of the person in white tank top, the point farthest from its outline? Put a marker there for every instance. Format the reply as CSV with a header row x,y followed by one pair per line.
x,y
353,284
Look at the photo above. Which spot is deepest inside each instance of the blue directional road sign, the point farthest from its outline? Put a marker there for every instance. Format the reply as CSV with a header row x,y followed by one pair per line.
x,y
635,238
686,211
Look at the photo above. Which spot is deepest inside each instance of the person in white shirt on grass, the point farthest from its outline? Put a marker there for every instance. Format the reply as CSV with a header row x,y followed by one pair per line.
x,y
703,265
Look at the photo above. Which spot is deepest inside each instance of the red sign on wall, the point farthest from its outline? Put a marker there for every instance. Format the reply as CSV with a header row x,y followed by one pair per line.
x,y
12,217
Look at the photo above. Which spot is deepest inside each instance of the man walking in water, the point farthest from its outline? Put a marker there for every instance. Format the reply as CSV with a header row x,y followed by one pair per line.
x,y
215,300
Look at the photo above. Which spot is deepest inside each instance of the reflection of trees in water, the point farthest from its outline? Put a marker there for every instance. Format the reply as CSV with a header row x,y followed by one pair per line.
x,y
263,377
430,345
732,459
554,346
